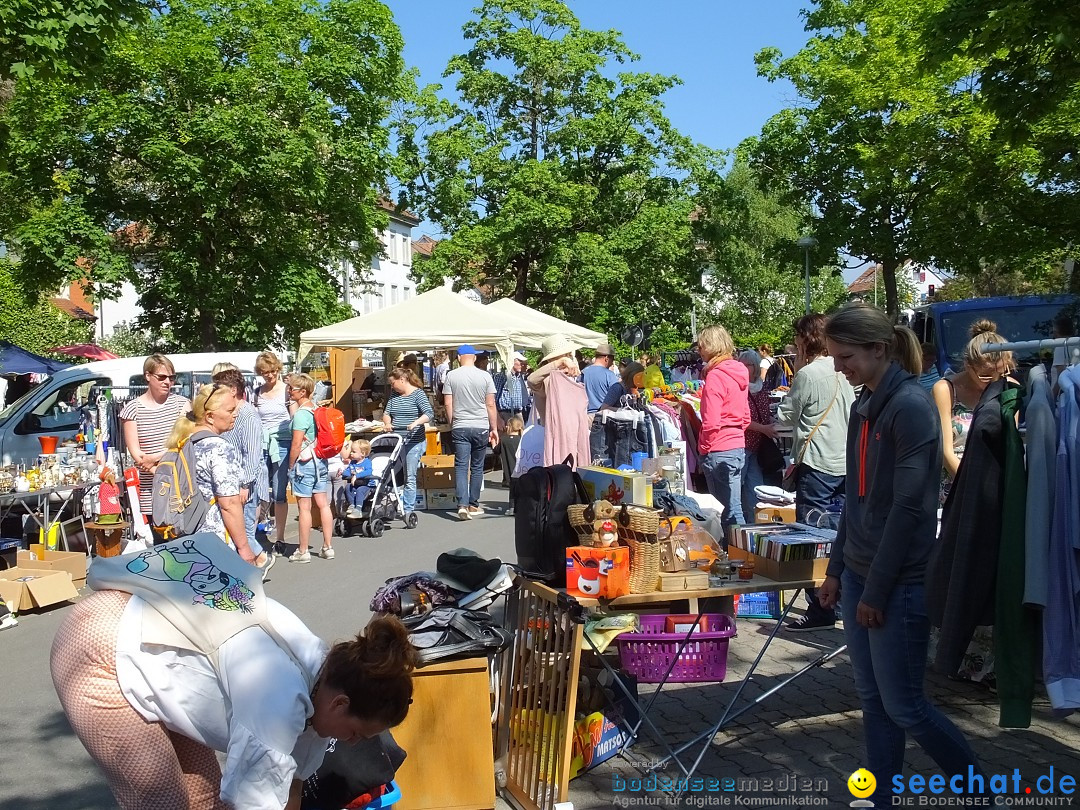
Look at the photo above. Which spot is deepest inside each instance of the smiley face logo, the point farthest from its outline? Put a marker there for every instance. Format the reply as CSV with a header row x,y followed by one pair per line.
x,y
861,783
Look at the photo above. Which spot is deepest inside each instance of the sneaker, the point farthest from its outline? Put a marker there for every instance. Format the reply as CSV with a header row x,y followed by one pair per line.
x,y
475,510
805,623
265,562
326,553
463,513
8,621
509,511
298,557
354,513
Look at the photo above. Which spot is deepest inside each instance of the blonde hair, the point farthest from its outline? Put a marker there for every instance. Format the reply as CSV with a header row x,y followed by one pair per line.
x,y
155,360
864,325
206,400
363,445
220,367
407,374
984,333
267,361
299,380
715,344
515,426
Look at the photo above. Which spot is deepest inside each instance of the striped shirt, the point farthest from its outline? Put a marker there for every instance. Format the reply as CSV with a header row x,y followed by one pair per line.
x,y
154,426
247,437
404,409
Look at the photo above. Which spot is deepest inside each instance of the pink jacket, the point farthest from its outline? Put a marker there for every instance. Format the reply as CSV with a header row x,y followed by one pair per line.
x,y
725,408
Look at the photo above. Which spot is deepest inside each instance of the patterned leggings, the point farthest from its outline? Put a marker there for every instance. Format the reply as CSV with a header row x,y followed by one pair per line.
x,y
148,767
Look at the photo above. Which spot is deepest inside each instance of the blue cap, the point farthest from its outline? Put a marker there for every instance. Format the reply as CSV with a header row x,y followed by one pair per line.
x,y
466,349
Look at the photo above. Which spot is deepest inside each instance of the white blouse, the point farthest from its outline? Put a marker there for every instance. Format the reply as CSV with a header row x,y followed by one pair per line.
x,y
256,712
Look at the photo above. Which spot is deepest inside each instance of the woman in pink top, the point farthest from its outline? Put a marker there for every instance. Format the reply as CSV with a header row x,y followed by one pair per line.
x,y
725,415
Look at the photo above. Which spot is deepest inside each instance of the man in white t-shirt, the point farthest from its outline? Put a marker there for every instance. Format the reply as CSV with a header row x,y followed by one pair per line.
x,y
474,424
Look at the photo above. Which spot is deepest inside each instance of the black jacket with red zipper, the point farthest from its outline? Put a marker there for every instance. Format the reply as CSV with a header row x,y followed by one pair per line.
x,y
893,472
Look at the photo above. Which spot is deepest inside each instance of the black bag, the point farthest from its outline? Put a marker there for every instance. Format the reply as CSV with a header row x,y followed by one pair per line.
x,y
450,632
541,527
769,457
351,770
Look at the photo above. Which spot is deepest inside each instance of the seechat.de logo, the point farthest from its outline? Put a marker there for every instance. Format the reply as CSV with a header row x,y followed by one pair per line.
x,y
861,784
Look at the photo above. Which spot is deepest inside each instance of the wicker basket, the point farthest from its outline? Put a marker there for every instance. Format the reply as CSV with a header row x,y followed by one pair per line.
x,y
575,512
638,527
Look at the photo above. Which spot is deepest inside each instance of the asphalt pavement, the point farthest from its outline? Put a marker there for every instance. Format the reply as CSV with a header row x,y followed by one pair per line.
x,y
810,730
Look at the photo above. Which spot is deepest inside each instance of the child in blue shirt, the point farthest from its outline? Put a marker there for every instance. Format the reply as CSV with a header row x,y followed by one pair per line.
x,y
357,477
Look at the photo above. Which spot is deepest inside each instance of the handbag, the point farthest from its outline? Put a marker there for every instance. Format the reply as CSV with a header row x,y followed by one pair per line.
x,y
791,474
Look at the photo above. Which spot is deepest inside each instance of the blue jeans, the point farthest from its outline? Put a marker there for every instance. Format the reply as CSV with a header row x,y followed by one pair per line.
x,y
412,452
753,476
816,490
470,448
251,511
597,440
723,474
889,664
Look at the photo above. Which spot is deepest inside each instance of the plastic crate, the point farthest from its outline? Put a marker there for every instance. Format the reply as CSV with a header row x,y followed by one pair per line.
x,y
648,654
764,605
387,800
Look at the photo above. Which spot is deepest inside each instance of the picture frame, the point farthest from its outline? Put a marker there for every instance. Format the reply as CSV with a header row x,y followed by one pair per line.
x,y
75,536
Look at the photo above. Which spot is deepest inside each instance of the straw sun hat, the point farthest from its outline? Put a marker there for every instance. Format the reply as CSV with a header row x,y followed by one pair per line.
x,y
556,346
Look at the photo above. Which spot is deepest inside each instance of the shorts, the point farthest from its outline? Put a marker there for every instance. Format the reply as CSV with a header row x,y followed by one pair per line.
x,y
309,478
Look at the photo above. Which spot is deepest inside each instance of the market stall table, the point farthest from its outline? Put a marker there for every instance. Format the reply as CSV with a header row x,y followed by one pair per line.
x,y
539,701
41,501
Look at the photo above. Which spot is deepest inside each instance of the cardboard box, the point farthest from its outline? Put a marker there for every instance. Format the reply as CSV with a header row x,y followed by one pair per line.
x,y
437,462
435,478
441,499
617,487
770,513
782,571
74,562
598,572
29,588
421,500
600,735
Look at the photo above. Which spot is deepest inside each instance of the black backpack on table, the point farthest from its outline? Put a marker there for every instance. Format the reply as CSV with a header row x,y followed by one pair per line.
x,y
541,527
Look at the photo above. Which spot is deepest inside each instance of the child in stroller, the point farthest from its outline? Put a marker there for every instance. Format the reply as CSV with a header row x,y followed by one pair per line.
x,y
383,502
357,478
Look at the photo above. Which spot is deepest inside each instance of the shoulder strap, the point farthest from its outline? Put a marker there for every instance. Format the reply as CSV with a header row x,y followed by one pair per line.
x,y
810,438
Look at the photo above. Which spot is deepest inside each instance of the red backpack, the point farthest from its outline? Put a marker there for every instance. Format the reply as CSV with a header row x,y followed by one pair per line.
x,y
329,432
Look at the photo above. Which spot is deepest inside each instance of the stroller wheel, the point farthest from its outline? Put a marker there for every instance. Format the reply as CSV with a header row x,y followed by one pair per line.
x,y
364,528
376,528
411,520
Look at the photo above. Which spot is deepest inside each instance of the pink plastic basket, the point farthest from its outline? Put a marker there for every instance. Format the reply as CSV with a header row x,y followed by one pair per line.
x,y
648,654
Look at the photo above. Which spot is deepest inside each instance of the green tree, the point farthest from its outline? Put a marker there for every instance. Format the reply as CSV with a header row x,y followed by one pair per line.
x,y
128,340
28,320
67,37
559,183
238,146
756,286
895,155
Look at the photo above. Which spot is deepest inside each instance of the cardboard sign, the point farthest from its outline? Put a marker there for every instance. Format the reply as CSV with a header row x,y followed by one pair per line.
x,y
598,572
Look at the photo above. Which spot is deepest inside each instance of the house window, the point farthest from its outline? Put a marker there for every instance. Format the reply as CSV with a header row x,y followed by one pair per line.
x,y
393,294
406,250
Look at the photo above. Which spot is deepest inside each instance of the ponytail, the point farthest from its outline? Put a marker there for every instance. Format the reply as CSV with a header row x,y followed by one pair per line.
x,y
907,351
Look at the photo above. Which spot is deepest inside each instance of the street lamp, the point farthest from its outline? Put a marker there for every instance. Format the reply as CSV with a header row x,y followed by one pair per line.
x,y
806,243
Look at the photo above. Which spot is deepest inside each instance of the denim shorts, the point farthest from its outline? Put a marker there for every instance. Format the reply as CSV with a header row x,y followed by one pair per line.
x,y
310,477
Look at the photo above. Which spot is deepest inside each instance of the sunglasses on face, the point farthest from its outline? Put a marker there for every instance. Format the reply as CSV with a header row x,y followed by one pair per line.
x,y
163,377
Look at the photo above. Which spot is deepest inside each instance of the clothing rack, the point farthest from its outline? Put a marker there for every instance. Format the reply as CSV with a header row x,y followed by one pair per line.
x,y
672,388
1037,345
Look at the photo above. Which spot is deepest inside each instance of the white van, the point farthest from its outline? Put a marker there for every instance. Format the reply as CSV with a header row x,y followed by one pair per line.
x,y
54,407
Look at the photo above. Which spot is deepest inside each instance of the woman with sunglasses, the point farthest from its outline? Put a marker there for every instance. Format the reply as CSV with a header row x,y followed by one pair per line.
x,y
310,475
148,420
276,410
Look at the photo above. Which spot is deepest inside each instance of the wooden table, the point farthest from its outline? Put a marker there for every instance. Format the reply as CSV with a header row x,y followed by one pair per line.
x,y
540,680
108,537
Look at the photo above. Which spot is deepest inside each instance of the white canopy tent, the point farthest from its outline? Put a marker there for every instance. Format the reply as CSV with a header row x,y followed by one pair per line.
x,y
548,324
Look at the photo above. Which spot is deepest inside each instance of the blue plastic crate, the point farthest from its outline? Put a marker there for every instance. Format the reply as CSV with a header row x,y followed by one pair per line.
x,y
765,605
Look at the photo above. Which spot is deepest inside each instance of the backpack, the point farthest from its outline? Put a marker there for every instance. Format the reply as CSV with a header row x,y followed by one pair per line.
x,y
542,529
177,507
452,632
329,431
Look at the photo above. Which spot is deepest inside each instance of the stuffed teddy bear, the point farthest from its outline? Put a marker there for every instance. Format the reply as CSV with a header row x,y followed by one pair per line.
x,y
605,530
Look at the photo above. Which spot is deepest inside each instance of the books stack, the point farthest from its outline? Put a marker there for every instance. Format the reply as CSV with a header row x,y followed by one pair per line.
x,y
785,542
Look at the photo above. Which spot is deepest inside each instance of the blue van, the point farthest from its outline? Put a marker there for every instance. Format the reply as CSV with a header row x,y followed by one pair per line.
x,y
946,324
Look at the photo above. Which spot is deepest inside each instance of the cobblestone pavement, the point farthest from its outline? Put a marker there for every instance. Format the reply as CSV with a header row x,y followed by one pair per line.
x,y
809,733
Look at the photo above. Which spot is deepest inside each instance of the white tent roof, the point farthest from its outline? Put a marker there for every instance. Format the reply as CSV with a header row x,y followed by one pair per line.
x,y
548,324
443,318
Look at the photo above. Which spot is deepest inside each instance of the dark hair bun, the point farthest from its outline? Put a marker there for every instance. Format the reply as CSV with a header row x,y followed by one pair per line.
x,y
384,648
982,327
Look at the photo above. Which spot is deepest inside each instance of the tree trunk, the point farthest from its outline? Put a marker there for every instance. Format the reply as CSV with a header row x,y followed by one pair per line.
x,y
208,271
892,304
521,265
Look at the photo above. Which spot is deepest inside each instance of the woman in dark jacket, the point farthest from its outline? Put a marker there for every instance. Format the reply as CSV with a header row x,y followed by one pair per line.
x,y
879,559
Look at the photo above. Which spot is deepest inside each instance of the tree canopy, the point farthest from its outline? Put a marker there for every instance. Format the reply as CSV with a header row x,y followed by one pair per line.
x,y
226,159
559,181
28,320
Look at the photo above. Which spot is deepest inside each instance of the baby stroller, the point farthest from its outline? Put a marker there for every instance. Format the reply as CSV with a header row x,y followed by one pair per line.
x,y
384,503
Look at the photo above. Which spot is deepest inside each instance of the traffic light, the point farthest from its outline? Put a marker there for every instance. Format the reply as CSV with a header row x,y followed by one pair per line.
x,y
930,291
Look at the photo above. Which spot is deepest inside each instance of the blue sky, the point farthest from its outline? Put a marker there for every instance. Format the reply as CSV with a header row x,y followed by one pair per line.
x,y
709,44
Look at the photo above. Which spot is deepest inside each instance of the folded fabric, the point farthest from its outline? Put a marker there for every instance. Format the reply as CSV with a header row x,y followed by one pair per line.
x,y
604,631
465,570
774,495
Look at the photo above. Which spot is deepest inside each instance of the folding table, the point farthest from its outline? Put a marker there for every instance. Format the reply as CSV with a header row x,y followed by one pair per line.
x,y
540,680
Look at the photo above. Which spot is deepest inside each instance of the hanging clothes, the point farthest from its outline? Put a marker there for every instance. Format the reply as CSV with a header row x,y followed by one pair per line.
x,y
1061,619
566,426
1016,626
962,573
1042,474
